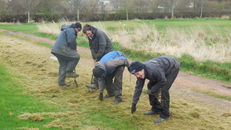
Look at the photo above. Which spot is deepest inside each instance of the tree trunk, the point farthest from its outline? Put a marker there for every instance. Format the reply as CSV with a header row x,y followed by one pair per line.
x,y
172,12
77,14
28,16
201,11
126,13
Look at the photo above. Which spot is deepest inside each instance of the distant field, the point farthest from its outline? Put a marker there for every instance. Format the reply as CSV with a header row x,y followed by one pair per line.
x,y
202,45
204,39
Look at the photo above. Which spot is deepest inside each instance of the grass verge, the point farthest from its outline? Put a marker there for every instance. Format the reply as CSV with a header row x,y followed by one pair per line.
x,y
209,69
14,103
213,70
209,93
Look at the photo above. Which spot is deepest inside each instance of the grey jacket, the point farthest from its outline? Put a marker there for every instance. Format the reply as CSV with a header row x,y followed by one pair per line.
x,y
110,65
66,43
155,71
99,44
113,64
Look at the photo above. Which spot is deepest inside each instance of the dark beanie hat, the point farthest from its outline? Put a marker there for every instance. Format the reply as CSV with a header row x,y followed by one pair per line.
x,y
98,72
76,25
135,67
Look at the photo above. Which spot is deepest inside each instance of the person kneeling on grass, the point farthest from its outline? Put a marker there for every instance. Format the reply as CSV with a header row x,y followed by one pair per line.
x,y
161,73
109,73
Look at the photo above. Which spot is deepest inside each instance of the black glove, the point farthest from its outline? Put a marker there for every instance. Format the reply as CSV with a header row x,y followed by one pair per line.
x,y
133,109
101,96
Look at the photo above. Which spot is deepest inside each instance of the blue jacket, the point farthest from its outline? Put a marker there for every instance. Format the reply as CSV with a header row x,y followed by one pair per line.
x,y
112,56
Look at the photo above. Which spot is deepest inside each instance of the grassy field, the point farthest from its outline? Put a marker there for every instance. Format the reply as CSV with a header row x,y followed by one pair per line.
x,y
14,102
202,45
76,108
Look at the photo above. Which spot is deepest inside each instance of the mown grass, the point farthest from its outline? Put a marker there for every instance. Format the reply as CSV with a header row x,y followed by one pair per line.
x,y
210,69
21,110
13,103
94,114
217,95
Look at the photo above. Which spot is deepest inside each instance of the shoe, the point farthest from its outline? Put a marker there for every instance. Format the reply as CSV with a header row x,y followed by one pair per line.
x,y
91,86
64,85
117,101
108,96
151,112
72,75
160,120
101,96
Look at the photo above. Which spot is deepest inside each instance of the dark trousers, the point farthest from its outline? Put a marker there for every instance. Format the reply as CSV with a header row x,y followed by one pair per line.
x,y
66,65
163,106
113,83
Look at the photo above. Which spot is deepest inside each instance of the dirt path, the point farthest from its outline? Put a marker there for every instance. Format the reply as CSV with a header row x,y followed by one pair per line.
x,y
187,91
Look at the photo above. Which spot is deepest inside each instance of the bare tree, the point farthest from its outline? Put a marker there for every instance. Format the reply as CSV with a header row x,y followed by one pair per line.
x,y
123,5
3,6
201,7
28,6
153,5
90,8
173,5
75,5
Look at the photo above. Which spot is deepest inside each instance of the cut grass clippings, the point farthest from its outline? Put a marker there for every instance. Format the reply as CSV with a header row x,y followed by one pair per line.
x,y
13,103
86,111
210,69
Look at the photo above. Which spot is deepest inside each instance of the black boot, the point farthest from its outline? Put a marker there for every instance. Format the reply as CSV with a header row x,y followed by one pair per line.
x,y
101,96
116,101
151,112
64,85
72,75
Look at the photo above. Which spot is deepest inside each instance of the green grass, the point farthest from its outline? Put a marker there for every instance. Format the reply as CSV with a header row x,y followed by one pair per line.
x,y
106,118
214,70
14,103
217,95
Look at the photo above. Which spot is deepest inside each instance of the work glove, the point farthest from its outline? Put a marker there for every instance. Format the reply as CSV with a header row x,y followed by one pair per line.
x,y
133,108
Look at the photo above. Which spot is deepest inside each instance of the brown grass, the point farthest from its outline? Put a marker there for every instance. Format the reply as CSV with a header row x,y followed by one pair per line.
x,y
172,41
32,63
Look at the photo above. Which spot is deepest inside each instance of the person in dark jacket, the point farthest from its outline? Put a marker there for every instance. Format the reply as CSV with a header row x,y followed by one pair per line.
x,y
99,44
65,49
161,73
109,73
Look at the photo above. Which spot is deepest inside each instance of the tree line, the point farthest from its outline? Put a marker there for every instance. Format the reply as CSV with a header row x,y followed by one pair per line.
x,y
89,10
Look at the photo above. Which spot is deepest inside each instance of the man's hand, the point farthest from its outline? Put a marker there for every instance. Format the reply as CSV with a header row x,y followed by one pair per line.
x,y
133,108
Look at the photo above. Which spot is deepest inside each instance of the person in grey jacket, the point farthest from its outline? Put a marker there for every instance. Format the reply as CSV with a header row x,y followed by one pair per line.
x,y
99,44
109,73
65,49
161,73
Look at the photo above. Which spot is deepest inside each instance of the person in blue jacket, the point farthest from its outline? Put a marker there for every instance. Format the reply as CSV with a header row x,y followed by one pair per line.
x,y
65,49
109,73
